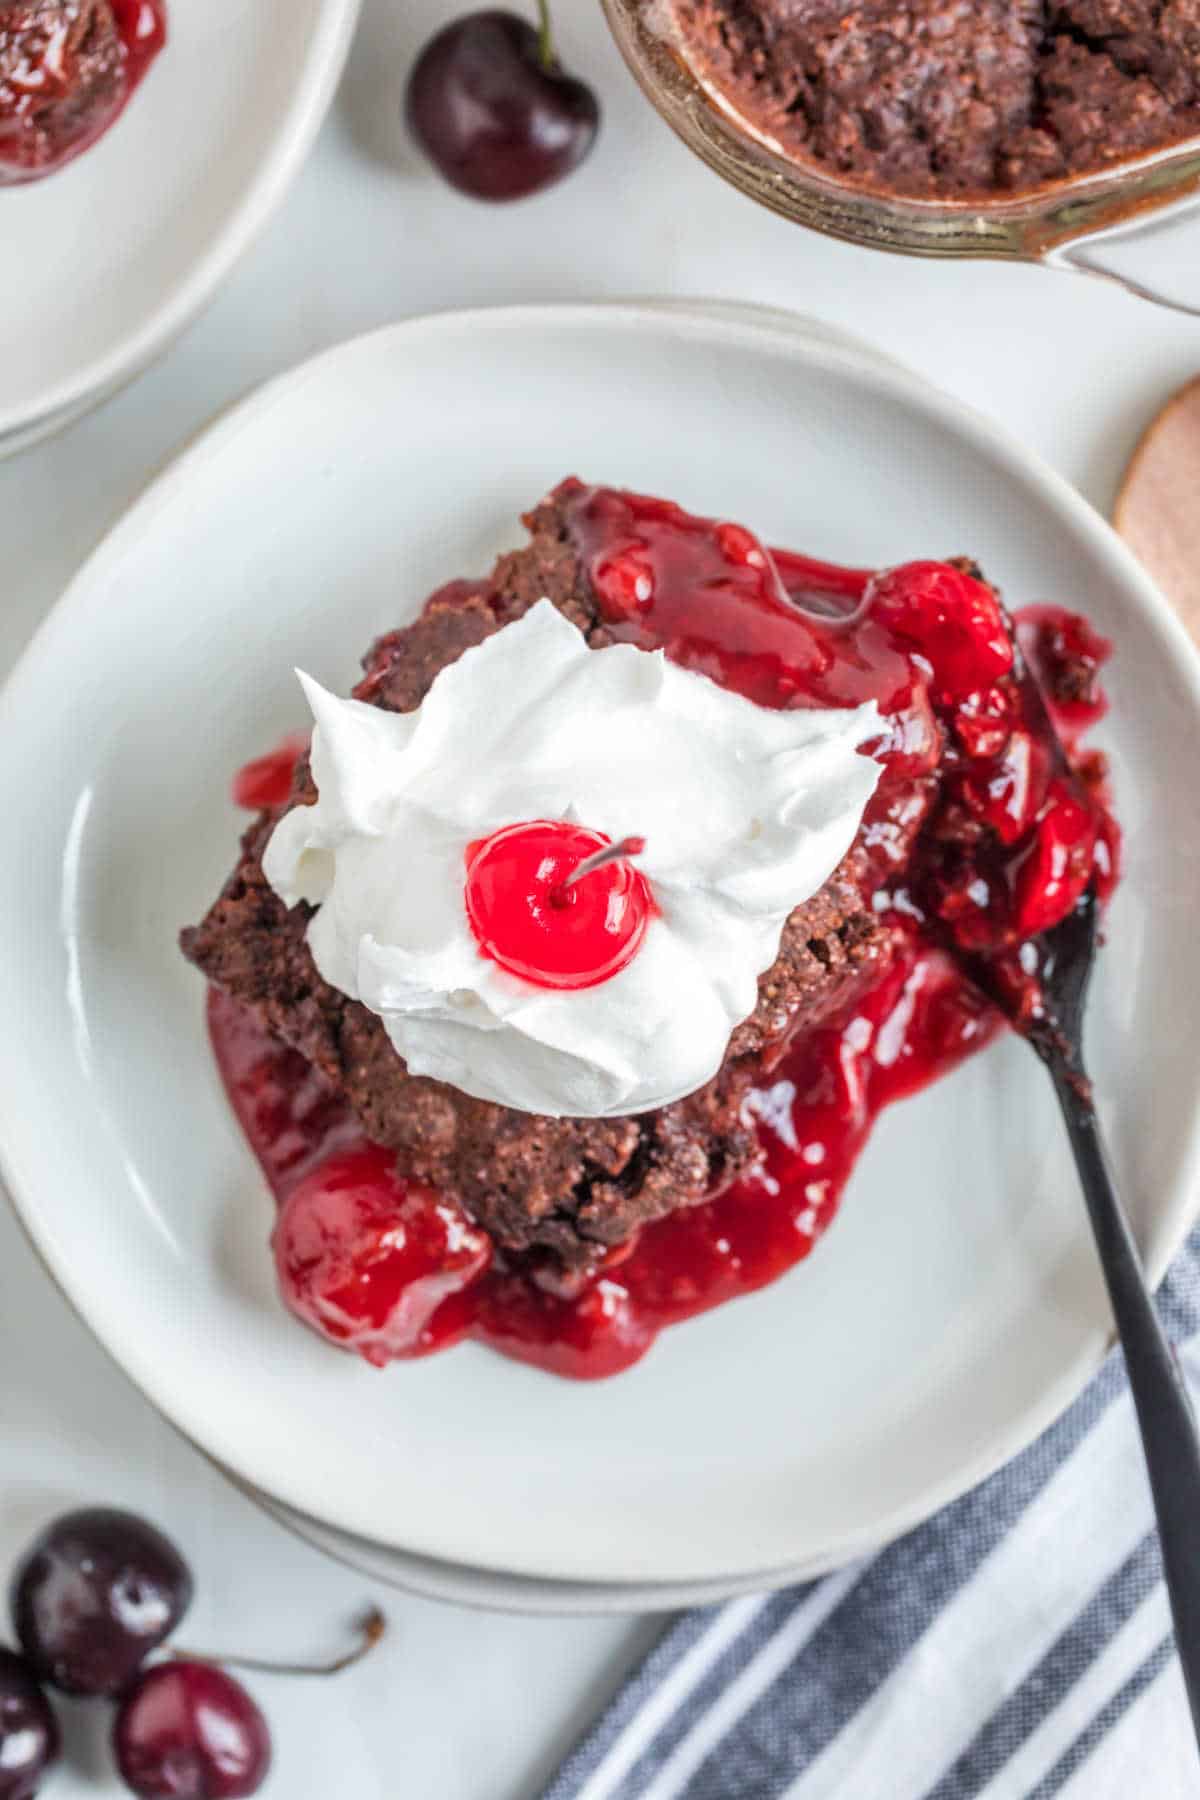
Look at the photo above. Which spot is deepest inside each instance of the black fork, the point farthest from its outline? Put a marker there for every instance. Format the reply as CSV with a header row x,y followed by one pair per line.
x,y
1164,1410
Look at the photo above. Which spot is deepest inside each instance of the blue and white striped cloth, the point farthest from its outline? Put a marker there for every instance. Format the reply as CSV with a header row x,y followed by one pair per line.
x,y
1017,1646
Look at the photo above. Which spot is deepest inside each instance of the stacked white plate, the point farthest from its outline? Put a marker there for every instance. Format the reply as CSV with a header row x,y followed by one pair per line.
x,y
954,1307
102,264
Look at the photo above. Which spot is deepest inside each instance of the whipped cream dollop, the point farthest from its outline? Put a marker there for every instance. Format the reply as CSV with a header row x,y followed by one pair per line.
x,y
745,813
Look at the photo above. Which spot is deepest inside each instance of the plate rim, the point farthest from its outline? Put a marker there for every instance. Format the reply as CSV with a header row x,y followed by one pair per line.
x,y
494,1591
748,325
302,118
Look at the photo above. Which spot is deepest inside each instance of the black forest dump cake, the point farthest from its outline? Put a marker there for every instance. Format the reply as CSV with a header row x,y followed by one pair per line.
x,y
417,1210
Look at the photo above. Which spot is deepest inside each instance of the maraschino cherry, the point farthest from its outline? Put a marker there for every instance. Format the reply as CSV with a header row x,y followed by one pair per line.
x,y
557,904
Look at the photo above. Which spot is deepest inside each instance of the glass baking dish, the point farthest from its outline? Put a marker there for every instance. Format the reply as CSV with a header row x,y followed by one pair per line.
x,y
1121,224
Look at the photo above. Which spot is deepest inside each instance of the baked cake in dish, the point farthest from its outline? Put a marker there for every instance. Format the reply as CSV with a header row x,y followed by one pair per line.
x,y
953,100
433,1179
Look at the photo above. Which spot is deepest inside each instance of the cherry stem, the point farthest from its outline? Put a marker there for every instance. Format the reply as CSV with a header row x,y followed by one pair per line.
x,y
600,859
371,1631
547,55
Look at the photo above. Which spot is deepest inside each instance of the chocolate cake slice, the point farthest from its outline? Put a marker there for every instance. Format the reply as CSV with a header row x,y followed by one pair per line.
x,y
565,1190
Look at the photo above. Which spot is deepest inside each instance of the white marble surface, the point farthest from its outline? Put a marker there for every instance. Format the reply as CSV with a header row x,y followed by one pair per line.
x,y
464,1706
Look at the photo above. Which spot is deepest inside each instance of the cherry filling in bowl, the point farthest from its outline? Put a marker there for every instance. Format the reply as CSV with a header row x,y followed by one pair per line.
x,y
67,70
989,822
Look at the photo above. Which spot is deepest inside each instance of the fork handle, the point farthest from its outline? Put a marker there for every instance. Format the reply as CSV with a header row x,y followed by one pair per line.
x,y
1164,1410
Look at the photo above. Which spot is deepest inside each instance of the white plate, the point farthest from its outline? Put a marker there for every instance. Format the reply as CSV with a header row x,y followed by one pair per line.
x,y
103,263
954,1308
490,1590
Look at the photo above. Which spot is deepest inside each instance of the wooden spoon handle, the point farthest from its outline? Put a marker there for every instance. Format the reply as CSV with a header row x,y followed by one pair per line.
x,y
1158,508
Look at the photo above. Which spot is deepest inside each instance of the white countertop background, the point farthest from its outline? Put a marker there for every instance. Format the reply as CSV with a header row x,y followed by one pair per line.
x,y
461,1705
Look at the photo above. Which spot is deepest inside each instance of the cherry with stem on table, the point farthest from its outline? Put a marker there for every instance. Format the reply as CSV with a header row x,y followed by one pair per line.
x,y
95,1595
493,108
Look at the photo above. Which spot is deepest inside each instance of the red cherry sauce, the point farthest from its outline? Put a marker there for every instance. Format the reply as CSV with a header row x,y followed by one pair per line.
x,y
1010,831
266,783
55,103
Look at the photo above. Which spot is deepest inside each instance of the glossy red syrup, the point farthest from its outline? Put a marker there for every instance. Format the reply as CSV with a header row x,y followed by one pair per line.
x,y
997,848
368,1259
267,781
719,603
813,1118
49,77
529,915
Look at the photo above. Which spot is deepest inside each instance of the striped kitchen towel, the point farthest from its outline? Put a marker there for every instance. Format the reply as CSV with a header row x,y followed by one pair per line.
x,y
1016,1646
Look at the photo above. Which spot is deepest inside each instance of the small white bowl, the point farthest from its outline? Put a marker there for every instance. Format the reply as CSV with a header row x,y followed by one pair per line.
x,y
106,261
955,1306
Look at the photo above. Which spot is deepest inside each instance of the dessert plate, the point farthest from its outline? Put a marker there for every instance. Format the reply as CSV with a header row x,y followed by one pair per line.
x,y
106,261
955,1306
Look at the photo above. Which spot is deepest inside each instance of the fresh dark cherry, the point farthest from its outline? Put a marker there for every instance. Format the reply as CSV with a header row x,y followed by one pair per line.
x,y
29,1740
367,1259
492,107
526,918
189,1731
97,1592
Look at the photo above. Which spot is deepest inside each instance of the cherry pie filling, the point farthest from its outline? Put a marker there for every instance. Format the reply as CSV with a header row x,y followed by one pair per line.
x,y
1013,829
45,119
